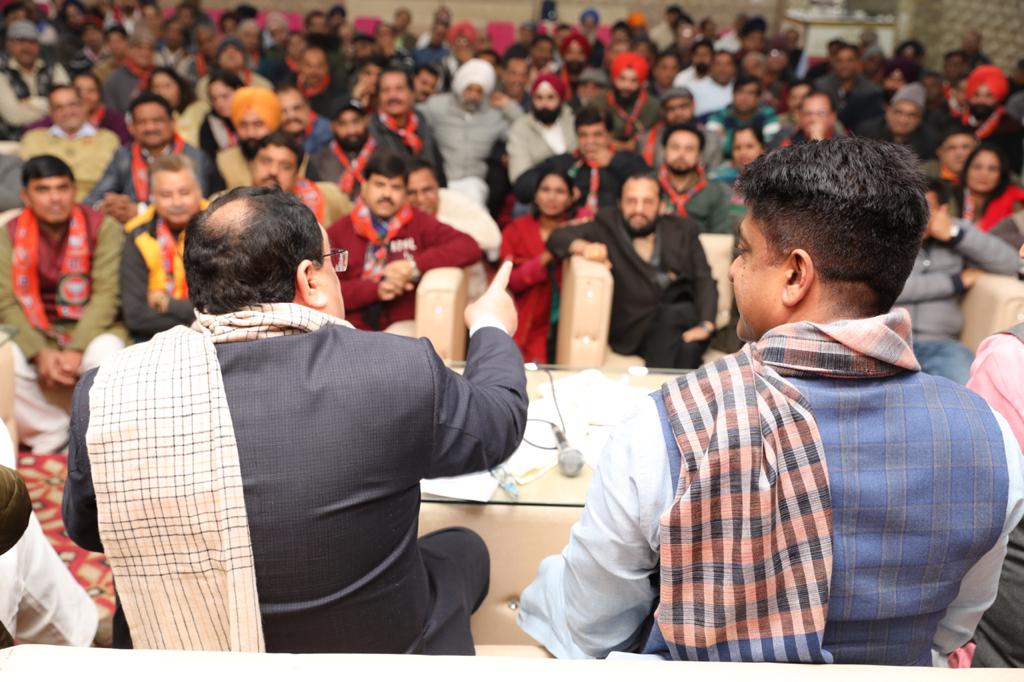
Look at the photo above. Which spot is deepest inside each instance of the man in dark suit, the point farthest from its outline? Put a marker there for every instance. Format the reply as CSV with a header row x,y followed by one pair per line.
x,y
329,459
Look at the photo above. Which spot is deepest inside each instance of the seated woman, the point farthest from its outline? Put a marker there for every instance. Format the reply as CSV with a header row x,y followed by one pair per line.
x,y
536,277
747,145
188,114
217,131
987,195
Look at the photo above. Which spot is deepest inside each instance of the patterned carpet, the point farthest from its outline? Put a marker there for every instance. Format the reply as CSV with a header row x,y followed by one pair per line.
x,y
44,475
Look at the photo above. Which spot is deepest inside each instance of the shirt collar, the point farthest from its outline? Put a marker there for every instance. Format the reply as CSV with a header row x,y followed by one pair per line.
x,y
87,130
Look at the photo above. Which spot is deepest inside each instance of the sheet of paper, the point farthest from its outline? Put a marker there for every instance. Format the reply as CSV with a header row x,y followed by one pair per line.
x,y
477,487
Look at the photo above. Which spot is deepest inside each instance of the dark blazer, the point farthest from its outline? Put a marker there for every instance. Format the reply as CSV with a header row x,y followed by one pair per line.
x,y
15,510
623,166
335,429
679,271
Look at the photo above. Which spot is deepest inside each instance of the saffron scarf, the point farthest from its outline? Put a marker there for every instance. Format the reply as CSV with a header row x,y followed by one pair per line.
x,y
678,200
142,74
631,118
311,90
377,249
140,168
746,547
986,127
408,132
353,170
589,208
97,116
162,255
74,286
651,144
309,194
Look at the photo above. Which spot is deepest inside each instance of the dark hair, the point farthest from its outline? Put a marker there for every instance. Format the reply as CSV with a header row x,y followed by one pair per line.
x,y
425,67
730,55
756,130
45,166
388,164
940,189
279,138
396,69
747,79
225,18
589,115
670,52
848,46
683,127
150,98
753,25
912,43
116,28
856,205
703,42
91,76
815,92
1004,173
953,130
185,92
542,38
418,163
561,175
249,256
489,53
226,77
955,53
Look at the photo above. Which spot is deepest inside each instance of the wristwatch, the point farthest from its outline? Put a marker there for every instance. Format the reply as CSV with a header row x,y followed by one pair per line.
x,y
709,327
416,274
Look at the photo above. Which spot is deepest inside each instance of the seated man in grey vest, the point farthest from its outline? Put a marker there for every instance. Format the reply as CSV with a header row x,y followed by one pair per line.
x,y
814,497
254,480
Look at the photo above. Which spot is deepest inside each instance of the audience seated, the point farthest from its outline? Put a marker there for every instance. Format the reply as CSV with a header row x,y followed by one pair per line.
x,y
633,109
986,92
26,79
398,127
230,56
846,82
956,144
217,132
10,182
255,113
685,190
90,89
124,187
665,299
545,131
72,139
345,157
745,111
154,293
467,127
131,79
816,120
954,254
597,171
59,289
313,80
308,127
390,245
677,108
986,193
714,91
833,392
903,123
277,164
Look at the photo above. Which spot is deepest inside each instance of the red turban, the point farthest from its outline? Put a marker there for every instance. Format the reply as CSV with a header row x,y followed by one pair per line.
x,y
463,28
630,60
575,38
552,80
993,77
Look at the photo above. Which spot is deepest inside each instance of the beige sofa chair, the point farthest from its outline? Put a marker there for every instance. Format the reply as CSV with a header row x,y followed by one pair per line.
x,y
441,298
995,303
7,389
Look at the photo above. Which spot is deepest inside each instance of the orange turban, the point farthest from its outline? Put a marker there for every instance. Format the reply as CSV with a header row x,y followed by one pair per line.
x,y
630,60
264,102
637,20
993,77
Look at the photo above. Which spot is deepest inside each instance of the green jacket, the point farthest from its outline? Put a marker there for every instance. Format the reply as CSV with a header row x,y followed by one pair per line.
x,y
709,207
15,510
650,114
101,312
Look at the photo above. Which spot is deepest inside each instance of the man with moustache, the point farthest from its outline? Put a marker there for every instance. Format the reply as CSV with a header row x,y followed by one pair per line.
x,y
987,89
632,107
398,127
277,164
344,160
255,113
546,131
575,51
677,108
685,190
298,119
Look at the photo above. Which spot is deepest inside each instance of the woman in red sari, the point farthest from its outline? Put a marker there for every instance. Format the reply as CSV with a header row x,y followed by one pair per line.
x,y
536,276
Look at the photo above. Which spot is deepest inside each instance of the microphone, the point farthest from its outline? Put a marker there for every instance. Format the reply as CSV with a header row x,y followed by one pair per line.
x,y
570,460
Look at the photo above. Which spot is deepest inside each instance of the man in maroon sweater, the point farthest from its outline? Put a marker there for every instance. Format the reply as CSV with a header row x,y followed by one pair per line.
x,y
390,244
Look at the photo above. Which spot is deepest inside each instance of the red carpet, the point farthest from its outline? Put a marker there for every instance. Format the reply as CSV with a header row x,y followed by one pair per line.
x,y
44,475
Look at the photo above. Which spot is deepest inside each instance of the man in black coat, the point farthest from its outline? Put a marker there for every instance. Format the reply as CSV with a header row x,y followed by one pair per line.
x,y
334,429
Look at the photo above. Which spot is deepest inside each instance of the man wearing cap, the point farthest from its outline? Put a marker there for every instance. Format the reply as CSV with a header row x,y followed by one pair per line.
x,y
547,130
593,86
26,79
632,107
231,57
344,160
309,128
987,89
255,113
903,123
131,79
677,108
467,127
589,21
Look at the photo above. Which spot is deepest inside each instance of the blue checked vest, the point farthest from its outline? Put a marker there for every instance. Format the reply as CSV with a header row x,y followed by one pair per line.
x,y
918,481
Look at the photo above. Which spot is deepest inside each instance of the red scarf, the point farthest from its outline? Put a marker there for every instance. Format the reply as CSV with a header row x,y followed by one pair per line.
x,y
567,82
407,133
377,252
631,118
139,72
353,169
651,144
246,76
74,287
311,123
995,209
309,91
949,176
171,255
309,194
988,126
97,116
140,169
589,208
679,200
201,68
292,65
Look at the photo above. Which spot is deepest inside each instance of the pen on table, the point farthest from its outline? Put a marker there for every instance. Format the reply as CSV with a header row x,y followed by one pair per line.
x,y
505,481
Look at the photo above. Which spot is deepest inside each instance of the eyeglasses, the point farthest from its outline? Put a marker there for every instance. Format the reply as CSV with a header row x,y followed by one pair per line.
x,y
339,259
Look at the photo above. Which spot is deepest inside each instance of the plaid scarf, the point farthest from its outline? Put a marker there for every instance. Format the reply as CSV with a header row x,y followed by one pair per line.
x,y
746,548
169,496
377,249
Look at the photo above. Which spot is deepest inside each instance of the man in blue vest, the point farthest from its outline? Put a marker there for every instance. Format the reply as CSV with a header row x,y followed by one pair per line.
x,y
814,497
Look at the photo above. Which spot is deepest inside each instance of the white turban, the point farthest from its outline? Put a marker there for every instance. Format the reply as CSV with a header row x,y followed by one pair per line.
x,y
474,72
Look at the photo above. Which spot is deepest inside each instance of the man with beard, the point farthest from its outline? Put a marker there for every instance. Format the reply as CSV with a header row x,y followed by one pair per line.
x,y
344,160
597,171
467,127
154,293
397,126
633,109
255,113
665,299
701,55
714,91
575,51
685,190
390,245
677,108
987,89
278,164
544,132
123,191
298,119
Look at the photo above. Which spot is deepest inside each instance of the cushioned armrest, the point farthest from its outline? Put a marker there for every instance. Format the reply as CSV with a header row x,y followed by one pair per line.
x,y
585,309
718,249
994,304
440,304
7,390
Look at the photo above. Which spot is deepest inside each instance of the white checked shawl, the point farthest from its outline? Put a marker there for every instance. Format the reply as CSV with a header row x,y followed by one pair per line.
x,y
168,484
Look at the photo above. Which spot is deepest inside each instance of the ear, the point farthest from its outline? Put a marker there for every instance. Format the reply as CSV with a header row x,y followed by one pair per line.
x,y
307,287
23,195
801,278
